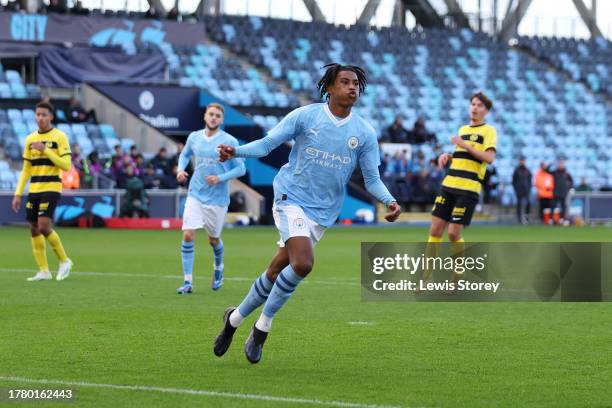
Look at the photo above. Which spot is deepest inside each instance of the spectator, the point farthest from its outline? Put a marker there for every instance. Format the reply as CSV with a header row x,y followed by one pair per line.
x,y
162,162
563,184
175,159
384,163
544,182
95,167
78,161
419,133
237,202
521,181
436,152
57,6
78,114
71,179
150,179
398,166
127,169
396,132
169,180
173,14
489,184
134,152
139,165
81,164
583,186
119,152
151,13
14,6
113,168
419,165
435,176
420,189
78,9
135,200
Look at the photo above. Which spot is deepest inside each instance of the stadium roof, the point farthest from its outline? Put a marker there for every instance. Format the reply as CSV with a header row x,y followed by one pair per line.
x,y
566,19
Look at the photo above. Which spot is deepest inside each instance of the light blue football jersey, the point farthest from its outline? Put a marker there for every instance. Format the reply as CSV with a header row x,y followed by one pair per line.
x,y
325,153
203,151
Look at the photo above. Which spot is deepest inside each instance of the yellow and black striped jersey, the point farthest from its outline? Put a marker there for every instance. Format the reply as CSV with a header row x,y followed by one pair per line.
x,y
466,172
45,175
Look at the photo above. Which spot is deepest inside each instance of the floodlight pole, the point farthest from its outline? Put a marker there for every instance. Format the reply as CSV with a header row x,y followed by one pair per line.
x,y
159,7
209,7
369,10
589,17
314,10
457,14
513,18
399,14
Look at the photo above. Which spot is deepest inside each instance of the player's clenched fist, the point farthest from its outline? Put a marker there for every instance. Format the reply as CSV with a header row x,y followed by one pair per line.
x,y
394,212
181,176
443,159
226,152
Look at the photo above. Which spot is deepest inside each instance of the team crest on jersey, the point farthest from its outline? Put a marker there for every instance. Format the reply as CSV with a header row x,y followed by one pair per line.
x,y
299,223
353,142
49,144
473,138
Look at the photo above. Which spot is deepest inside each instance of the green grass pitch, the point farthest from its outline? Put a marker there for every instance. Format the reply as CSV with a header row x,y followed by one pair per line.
x,y
117,322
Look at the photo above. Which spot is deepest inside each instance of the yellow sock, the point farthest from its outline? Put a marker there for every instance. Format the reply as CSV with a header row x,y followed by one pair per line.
x,y
56,244
39,249
431,251
458,247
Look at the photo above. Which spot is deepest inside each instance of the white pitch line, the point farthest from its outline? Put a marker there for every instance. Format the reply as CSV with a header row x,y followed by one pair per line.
x,y
188,391
144,275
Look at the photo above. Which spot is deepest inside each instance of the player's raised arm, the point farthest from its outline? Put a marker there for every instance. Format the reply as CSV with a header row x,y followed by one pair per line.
x,y
284,131
183,162
369,160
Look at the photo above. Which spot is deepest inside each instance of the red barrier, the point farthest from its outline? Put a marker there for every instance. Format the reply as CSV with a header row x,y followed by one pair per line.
x,y
144,223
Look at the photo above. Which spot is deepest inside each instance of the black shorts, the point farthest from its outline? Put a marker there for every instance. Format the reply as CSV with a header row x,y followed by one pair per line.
x,y
455,208
41,205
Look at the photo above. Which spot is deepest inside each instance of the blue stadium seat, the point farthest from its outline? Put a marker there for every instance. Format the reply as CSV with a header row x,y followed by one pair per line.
x,y
13,76
14,115
28,115
5,90
108,131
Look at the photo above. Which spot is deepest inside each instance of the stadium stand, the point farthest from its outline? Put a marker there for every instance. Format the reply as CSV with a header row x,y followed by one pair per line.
x,y
589,61
538,112
12,86
205,66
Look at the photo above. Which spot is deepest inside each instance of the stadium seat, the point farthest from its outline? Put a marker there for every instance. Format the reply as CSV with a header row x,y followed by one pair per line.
x,y
5,90
108,131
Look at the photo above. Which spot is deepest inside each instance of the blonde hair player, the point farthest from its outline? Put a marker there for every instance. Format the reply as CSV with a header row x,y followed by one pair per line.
x,y
208,196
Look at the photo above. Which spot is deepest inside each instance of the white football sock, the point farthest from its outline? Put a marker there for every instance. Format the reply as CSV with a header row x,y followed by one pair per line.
x,y
264,323
236,318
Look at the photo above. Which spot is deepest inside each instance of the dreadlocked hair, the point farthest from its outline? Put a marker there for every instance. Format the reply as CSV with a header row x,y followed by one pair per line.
x,y
332,71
